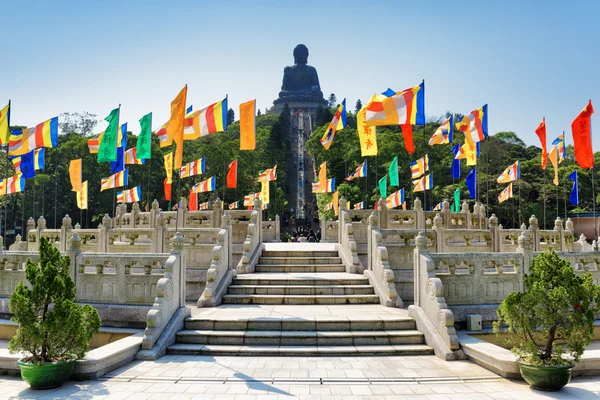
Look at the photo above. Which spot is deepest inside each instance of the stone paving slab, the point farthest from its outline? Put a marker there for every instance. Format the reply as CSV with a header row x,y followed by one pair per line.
x,y
356,311
318,378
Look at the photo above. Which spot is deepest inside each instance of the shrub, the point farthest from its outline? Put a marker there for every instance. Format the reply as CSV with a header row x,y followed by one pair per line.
x,y
52,327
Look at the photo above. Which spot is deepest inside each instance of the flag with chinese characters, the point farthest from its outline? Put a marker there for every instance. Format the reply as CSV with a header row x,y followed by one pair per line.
x,y
248,125
82,196
366,134
265,192
582,137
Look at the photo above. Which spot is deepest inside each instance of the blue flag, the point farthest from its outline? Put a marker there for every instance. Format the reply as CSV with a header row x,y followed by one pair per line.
x,y
27,165
455,169
119,165
575,192
189,109
472,183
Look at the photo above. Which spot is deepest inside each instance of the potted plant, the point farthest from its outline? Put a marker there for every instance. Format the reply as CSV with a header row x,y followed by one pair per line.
x,y
552,320
53,330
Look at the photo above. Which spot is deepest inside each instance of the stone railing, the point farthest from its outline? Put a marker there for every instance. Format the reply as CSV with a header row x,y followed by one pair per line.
x,y
583,262
12,270
271,230
348,247
583,245
329,230
430,309
253,244
221,272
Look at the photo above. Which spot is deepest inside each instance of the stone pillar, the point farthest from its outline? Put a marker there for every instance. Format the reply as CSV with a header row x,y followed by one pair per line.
x,y
569,235
153,213
466,213
420,248
373,224
535,232
440,237
182,210
558,227
74,250
495,233
65,232
343,206
446,213
277,228
477,214
103,237
323,225
30,227
217,209
482,216
257,206
226,224
525,247
135,212
419,214
177,249
383,213
160,234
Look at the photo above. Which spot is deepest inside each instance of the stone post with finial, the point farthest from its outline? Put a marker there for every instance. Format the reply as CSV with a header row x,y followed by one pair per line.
x,y
558,227
419,214
74,250
494,232
153,213
65,232
534,230
342,207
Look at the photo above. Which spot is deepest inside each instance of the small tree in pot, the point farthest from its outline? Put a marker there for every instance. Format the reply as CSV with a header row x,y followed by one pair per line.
x,y
53,329
553,320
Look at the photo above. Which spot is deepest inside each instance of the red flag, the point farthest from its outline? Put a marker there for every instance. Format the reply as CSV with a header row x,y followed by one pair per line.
x,y
408,138
167,187
193,203
232,175
541,132
582,137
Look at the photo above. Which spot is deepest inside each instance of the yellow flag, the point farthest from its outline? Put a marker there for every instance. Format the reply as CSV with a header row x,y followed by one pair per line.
x,y
264,191
366,134
336,205
175,127
248,125
553,155
82,196
2,187
471,150
323,178
75,174
4,128
169,167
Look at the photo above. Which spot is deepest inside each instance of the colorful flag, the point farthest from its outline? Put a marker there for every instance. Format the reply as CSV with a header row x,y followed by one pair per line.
x,y
193,202
75,174
265,191
438,206
234,206
39,159
131,157
423,183
232,175
455,169
383,186
14,184
163,137
575,191
475,124
395,199
130,196
393,172
25,141
338,123
270,174
367,135
420,166
204,206
467,151
176,125
167,189
315,187
541,132
119,179
506,194
169,167
335,199
82,196
443,134
206,121
323,177
471,182
107,151
455,207
553,155
582,137
329,206
17,164
559,142
249,199
248,125
27,165
197,167
94,143
359,206
4,128
144,141
398,108
511,173
330,187
361,171
208,185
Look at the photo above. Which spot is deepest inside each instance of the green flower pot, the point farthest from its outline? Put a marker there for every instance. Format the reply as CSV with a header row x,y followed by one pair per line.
x,y
547,378
48,375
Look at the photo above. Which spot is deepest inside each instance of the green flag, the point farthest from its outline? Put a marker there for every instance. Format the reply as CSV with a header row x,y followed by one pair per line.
x,y
144,140
456,206
383,186
108,146
394,172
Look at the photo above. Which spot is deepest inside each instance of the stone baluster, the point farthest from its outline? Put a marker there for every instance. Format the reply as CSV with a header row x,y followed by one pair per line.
x,y
371,244
558,227
226,224
182,211
419,214
343,206
569,235
438,227
446,214
30,227
74,251
525,247
160,234
104,232
382,210
476,215
217,207
466,214
495,232
135,212
153,213
65,232
257,205
535,232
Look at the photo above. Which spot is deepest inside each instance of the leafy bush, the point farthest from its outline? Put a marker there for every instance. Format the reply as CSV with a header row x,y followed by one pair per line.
x,y
52,327
554,315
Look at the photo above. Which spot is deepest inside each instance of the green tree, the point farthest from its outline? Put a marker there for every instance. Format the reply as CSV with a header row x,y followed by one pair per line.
x,y
358,106
332,100
230,116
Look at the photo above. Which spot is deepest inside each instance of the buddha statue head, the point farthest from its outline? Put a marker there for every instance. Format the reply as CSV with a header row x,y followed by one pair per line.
x,y
301,54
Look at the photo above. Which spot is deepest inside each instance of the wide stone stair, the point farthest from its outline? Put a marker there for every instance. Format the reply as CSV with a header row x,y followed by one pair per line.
x,y
300,303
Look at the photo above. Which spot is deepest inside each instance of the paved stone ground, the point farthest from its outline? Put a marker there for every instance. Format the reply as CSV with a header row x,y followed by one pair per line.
x,y
315,378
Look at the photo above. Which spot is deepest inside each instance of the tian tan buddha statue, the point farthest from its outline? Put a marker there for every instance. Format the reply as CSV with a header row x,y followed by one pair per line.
x,y
300,81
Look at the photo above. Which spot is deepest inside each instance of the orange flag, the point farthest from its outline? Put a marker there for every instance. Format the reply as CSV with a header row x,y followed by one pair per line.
x,y
541,132
554,160
582,137
408,138
323,178
248,125
232,175
336,203
175,128
75,174
193,203
167,187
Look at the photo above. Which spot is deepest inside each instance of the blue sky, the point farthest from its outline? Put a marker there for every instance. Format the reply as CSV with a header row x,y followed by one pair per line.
x,y
526,59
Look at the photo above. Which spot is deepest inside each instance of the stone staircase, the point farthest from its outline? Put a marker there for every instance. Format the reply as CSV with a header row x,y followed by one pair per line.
x,y
300,303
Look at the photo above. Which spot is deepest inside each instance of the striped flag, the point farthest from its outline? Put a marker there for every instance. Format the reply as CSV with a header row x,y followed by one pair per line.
x,y
130,157
359,206
438,207
395,199
204,206
338,123
270,174
206,121
163,137
423,183
197,167
315,187
443,134
94,144
24,141
559,142
474,125
249,199
119,179
39,159
14,184
329,206
511,173
361,171
420,166
130,196
205,186
506,194
234,206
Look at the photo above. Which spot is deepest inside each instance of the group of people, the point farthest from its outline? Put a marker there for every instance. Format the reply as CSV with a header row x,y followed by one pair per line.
x,y
309,236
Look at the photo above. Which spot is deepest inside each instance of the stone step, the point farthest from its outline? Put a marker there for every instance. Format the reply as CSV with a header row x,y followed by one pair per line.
x,y
301,338
299,260
300,268
299,253
291,278
300,289
215,349
320,324
301,299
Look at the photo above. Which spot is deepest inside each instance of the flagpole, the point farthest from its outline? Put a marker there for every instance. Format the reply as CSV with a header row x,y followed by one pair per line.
x,y
114,210
544,197
5,180
520,219
565,160
224,175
